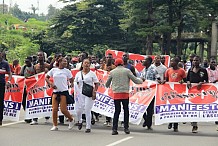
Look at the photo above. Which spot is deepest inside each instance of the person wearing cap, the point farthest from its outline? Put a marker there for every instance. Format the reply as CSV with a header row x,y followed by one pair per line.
x,y
120,78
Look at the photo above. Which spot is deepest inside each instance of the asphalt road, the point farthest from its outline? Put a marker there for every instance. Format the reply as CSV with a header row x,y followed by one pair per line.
x,y
22,134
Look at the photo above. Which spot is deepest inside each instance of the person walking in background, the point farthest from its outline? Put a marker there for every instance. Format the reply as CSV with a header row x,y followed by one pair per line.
x,y
16,67
196,74
84,103
27,70
120,78
61,75
212,72
4,69
41,66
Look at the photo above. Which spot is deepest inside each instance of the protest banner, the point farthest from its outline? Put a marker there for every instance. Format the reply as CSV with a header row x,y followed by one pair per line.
x,y
137,58
13,98
140,98
175,103
39,98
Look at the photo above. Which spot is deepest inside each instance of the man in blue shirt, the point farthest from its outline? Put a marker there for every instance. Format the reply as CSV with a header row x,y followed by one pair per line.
x,y
4,69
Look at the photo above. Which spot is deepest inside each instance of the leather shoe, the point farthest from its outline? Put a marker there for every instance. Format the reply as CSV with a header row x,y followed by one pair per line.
x,y
144,124
80,125
88,131
170,126
127,131
0,123
114,132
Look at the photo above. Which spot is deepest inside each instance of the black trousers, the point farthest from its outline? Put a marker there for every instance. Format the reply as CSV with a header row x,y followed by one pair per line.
x,y
24,99
2,95
117,103
148,117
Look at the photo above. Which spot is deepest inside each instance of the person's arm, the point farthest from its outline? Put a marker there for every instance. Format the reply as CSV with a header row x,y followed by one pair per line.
x,y
134,78
108,82
132,68
71,82
49,82
189,85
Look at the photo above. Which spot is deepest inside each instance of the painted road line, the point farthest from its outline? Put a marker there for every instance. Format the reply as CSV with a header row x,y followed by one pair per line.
x,y
4,125
120,141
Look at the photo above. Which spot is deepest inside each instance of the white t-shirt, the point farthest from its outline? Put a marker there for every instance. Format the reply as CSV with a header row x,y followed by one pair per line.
x,y
90,78
60,77
161,69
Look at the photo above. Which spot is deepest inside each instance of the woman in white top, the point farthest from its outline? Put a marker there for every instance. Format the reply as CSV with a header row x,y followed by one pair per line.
x,y
84,103
60,75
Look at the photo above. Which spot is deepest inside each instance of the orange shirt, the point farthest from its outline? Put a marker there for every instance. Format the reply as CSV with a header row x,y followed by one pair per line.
x,y
175,75
17,69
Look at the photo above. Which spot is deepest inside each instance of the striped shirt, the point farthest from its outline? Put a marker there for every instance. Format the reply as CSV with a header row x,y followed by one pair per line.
x,y
212,74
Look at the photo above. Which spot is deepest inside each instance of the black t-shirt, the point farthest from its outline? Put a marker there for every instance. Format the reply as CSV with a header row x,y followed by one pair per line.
x,y
200,76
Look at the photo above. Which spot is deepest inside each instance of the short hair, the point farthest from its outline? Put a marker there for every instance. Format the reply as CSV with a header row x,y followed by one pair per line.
x,y
29,58
150,60
86,54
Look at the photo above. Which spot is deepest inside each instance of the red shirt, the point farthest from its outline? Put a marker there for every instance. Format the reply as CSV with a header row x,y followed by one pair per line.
x,y
121,96
175,75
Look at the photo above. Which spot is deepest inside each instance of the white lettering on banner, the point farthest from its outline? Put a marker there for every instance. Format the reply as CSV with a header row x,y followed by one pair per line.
x,y
186,107
38,102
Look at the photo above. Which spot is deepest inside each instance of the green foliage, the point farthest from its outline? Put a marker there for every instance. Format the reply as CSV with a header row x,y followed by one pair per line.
x,y
18,43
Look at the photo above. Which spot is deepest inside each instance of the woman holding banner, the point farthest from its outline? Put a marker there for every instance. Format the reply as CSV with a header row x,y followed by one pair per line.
x,y
61,75
83,102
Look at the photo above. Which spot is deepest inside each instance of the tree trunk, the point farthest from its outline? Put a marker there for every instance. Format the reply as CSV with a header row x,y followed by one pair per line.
x,y
149,39
170,21
213,41
149,45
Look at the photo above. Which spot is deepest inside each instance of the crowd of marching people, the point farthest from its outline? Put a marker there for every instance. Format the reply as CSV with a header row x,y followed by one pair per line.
x,y
121,71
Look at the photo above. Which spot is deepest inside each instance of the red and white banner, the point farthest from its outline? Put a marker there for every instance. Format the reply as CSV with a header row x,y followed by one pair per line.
x,y
140,98
175,103
13,98
137,58
39,98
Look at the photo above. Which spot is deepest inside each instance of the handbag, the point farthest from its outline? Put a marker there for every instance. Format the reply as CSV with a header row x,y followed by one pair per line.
x,y
87,89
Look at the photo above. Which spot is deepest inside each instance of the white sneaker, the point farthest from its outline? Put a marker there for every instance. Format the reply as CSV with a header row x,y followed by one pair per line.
x,y
217,128
71,124
34,123
54,128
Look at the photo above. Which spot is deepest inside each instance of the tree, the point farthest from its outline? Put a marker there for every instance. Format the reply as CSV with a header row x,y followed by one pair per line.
x,y
91,22
52,11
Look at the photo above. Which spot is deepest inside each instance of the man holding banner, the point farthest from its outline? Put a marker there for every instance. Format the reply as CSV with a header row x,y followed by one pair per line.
x,y
149,73
175,74
196,74
4,69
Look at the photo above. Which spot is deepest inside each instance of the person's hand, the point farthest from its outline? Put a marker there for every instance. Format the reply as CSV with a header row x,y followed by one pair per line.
x,y
159,81
189,85
163,82
143,79
8,84
94,95
53,86
199,85
181,81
